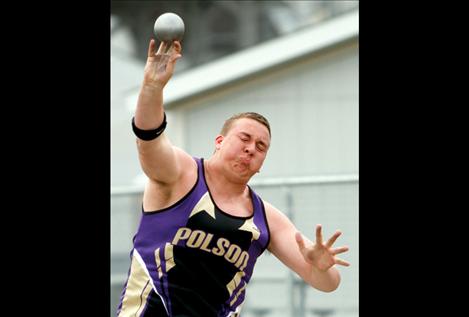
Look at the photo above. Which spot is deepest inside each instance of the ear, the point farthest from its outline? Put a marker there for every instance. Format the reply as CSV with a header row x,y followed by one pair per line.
x,y
218,141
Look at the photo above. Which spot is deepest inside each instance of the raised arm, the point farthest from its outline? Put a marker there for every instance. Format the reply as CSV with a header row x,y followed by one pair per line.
x,y
160,161
313,262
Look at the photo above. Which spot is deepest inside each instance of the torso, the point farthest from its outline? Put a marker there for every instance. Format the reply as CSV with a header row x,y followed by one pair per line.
x,y
192,257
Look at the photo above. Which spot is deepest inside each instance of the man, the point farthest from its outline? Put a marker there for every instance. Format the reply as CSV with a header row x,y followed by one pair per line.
x,y
202,226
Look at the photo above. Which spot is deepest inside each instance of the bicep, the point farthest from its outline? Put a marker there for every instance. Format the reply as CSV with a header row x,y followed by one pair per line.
x,y
160,160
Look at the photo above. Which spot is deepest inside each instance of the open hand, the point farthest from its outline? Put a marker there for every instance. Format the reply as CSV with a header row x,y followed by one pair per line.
x,y
160,65
321,255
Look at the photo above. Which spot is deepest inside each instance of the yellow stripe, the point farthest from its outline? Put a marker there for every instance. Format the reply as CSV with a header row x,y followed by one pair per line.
x,y
168,256
234,282
136,293
145,294
237,294
158,263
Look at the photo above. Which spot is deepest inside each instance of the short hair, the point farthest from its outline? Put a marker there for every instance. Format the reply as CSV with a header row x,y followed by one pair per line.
x,y
250,115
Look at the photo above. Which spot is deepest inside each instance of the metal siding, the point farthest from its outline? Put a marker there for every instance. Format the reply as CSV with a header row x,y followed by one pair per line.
x,y
313,111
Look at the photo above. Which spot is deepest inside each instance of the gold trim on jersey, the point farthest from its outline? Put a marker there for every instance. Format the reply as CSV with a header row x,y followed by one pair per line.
x,y
237,295
158,263
251,227
231,286
168,258
137,290
205,204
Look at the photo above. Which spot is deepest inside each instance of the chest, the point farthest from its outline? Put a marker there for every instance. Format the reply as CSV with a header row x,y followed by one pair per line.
x,y
234,206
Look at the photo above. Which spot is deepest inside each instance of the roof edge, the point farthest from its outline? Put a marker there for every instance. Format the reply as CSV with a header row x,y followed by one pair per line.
x,y
258,58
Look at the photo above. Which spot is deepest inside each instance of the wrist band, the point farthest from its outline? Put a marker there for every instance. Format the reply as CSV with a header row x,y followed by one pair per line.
x,y
148,135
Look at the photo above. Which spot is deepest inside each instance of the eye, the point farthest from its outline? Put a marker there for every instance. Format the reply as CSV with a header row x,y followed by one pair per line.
x,y
261,148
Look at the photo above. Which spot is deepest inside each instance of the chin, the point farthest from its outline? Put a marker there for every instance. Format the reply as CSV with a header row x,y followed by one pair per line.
x,y
244,172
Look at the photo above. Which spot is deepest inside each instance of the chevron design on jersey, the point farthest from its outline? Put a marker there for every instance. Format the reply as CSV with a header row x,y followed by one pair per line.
x,y
250,226
205,204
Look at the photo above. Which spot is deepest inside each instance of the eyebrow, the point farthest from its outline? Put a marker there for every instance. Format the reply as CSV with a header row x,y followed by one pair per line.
x,y
249,136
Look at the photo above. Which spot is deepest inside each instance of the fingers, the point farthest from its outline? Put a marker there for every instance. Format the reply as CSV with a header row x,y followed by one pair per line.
x,y
299,240
176,52
162,48
177,47
339,250
172,62
151,48
341,262
318,235
167,48
331,241
174,58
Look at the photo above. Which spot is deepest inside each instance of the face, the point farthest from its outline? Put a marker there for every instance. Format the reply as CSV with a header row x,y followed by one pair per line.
x,y
244,148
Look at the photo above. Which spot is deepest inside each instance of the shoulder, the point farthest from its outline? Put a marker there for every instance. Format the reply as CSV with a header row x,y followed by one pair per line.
x,y
185,159
187,164
275,217
281,229
271,210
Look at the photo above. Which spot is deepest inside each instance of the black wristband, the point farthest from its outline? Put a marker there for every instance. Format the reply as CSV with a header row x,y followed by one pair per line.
x,y
148,135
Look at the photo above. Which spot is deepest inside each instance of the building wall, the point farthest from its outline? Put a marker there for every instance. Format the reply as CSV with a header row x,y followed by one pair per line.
x,y
312,106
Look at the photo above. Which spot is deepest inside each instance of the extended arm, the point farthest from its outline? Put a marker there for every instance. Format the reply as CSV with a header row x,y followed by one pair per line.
x,y
160,161
313,262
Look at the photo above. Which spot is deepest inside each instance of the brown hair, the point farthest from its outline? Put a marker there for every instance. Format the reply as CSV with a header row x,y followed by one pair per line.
x,y
250,115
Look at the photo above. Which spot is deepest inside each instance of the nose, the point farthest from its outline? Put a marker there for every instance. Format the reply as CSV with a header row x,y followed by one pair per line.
x,y
249,149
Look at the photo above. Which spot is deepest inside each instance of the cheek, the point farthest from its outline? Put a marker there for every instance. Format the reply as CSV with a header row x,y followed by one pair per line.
x,y
259,159
231,150
235,147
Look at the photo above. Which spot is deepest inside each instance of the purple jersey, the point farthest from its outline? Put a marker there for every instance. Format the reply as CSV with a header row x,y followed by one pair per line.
x,y
192,258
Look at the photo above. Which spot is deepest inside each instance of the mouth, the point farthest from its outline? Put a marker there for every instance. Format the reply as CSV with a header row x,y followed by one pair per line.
x,y
243,163
244,160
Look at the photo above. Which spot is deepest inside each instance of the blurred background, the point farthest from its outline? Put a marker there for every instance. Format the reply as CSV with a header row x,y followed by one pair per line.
x,y
295,62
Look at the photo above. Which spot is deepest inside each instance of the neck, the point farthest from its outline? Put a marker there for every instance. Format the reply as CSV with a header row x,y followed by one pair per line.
x,y
219,178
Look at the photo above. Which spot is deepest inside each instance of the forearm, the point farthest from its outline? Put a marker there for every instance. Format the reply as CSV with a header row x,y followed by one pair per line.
x,y
149,112
326,281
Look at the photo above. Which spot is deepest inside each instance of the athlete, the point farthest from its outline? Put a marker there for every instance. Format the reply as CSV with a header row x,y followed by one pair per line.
x,y
202,226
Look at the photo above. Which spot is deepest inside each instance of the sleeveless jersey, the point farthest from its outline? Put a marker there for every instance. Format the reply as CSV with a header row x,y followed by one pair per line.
x,y
193,259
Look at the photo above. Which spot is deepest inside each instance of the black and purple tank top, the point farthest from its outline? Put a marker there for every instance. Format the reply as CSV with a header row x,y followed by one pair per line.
x,y
192,258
